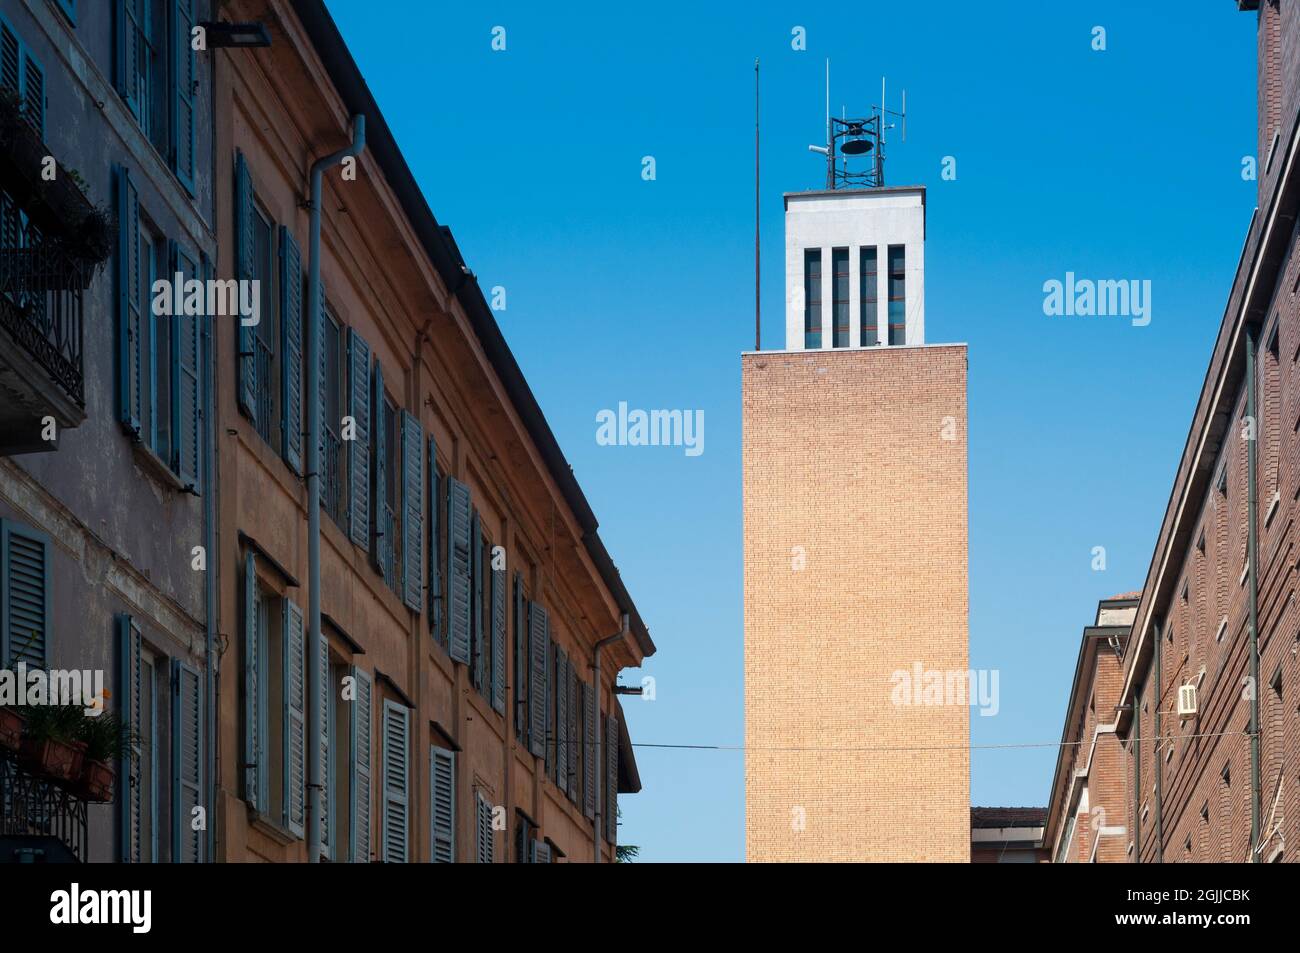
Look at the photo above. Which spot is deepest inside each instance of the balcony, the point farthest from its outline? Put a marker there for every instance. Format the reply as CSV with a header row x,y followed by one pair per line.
x,y
40,821
53,242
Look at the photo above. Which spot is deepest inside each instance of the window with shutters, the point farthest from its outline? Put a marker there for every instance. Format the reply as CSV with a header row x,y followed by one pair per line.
x,y
266,334
396,783
442,805
389,540
26,597
439,520
519,632
155,73
484,835
526,835
148,769
159,354
486,607
22,75
275,708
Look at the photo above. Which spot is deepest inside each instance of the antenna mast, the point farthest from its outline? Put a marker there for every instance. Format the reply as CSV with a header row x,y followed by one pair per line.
x,y
859,137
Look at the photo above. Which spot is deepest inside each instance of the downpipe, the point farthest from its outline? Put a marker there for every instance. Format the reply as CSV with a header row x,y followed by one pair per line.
x,y
599,813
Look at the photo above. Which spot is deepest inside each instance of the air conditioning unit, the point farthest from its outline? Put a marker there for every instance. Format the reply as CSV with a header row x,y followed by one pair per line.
x,y
1186,701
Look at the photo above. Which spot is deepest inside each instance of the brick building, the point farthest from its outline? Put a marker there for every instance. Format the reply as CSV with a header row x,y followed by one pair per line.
x,y
1007,835
453,701
1206,706
855,550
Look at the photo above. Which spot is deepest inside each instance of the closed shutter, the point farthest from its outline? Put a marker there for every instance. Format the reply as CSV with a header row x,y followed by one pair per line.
x,y
326,702
362,770
575,737
319,322
435,524
499,587
295,719
539,635
130,793
11,60
561,719
611,779
247,389
481,662
380,542
459,583
33,93
485,841
188,403
442,805
128,55
130,294
396,782
541,852
359,455
412,510
25,593
187,763
252,687
590,756
183,94
520,680
291,331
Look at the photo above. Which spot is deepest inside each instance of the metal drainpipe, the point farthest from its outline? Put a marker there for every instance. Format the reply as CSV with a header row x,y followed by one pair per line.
x,y
210,517
595,664
1155,751
312,389
1252,555
1136,708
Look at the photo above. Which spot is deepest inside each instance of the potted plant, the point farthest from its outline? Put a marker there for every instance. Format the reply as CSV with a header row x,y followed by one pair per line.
x,y
50,746
107,739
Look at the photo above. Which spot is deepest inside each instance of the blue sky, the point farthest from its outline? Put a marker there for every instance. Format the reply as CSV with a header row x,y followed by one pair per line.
x,y
1117,164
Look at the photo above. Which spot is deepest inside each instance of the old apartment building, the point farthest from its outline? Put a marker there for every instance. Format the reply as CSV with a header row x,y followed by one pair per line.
x,y
456,704
1203,701
855,548
105,487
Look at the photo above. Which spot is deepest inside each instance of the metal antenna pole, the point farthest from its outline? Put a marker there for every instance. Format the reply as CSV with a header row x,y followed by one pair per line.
x,y
830,135
758,310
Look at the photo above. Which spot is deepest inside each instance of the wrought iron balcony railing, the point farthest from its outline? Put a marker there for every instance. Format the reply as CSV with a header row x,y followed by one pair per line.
x,y
32,806
41,298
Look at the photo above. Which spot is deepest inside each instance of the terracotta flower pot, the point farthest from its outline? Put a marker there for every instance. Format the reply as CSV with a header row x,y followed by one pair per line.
x,y
96,782
57,760
11,729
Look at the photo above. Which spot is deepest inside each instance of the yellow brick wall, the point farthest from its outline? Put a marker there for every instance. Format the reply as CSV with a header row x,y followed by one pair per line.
x,y
858,457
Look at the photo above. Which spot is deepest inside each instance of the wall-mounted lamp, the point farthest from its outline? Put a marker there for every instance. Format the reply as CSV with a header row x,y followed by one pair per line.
x,y
224,34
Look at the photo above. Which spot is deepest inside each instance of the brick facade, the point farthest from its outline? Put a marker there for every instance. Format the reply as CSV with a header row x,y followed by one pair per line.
x,y
855,550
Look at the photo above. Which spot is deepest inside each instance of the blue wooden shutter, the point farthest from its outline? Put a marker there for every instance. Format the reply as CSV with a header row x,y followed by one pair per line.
x,y
396,782
380,540
434,574
539,635
130,793
25,591
244,268
253,740
187,763
130,294
11,60
359,455
127,55
460,570
326,702
295,719
499,587
291,329
484,836
442,805
476,598
187,404
33,93
184,77
539,852
590,756
412,510
611,779
291,350
574,735
520,680
561,719
362,767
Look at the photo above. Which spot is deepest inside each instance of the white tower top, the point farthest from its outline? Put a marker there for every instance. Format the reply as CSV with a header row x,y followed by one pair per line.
x,y
855,268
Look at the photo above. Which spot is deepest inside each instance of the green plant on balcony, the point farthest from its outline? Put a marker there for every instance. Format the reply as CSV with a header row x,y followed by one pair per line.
x,y
50,744
108,740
